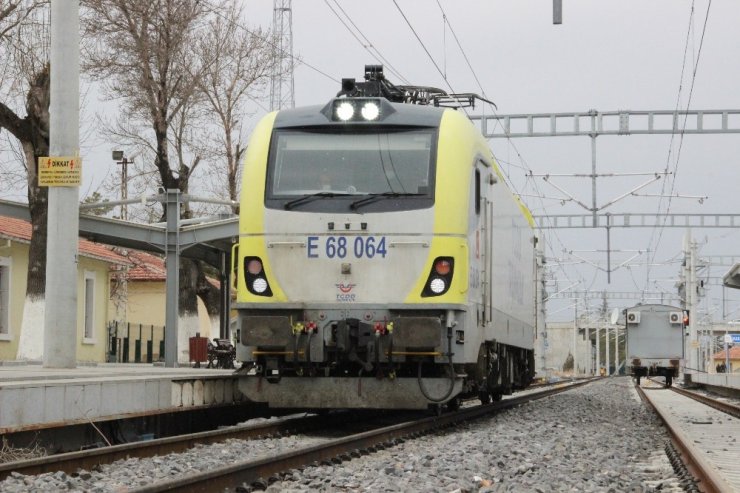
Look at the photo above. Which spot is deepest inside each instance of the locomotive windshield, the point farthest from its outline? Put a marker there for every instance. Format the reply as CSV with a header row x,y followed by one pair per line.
x,y
351,169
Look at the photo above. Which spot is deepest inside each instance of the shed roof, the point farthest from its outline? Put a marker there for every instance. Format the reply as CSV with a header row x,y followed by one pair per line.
x,y
734,353
20,231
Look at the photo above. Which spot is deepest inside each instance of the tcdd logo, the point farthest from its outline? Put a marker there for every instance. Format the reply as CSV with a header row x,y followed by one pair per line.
x,y
345,292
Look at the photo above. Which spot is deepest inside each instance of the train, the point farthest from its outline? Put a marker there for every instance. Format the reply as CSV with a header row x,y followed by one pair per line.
x,y
382,260
655,341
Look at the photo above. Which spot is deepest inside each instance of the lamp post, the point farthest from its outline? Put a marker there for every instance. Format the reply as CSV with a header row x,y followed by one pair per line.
x,y
120,158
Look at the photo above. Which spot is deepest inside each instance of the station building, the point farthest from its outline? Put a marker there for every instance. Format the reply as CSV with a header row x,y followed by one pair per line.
x,y
106,306
93,285
720,359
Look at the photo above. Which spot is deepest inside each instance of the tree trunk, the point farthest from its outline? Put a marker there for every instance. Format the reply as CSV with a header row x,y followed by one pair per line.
x,y
35,143
211,297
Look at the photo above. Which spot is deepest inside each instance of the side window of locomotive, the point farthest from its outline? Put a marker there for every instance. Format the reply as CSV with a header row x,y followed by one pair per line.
x,y
477,191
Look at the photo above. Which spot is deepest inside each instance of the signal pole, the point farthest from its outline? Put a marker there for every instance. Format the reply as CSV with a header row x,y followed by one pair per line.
x,y
692,343
60,320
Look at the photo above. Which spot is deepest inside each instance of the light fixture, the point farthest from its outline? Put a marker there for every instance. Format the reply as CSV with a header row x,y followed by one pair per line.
x,y
259,285
437,285
370,111
345,111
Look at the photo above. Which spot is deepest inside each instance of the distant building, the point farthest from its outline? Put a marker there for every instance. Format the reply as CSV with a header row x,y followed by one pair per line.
x,y
719,359
94,265
138,297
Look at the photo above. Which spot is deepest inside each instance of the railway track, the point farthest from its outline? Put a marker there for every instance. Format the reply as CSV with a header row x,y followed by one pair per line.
x,y
705,433
260,471
87,459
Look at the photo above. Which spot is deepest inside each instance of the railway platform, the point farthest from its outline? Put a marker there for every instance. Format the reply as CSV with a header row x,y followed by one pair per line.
x,y
723,383
34,398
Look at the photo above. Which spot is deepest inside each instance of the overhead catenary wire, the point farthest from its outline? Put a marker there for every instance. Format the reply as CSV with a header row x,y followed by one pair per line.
x,y
661,229
368,45
525,166
267,40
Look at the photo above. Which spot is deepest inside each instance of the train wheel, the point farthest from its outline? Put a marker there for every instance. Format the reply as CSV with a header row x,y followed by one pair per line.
x,y
497,397
638,380
484,397
668,380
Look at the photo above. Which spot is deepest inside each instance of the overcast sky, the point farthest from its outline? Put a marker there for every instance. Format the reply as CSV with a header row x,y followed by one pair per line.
x,y
607,55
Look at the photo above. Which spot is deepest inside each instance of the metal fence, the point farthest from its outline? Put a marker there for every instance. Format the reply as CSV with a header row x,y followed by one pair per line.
x,y
135,343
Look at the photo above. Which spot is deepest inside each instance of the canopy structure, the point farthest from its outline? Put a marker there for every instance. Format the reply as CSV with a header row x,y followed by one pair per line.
x,y
732,278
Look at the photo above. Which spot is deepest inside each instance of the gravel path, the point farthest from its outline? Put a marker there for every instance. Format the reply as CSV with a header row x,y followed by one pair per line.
x,y
596,438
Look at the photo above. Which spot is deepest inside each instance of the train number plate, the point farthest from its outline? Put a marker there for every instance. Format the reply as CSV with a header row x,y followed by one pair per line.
x,y
346,247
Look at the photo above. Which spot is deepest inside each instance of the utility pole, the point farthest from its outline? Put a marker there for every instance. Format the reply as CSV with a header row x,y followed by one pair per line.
x,y
60,320
282,93
541,341
692,343
598,349
120,158
575,338
606,331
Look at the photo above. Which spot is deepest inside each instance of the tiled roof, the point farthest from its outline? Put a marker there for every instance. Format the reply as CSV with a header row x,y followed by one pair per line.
x,y
20,230
146,267
150,267
734,353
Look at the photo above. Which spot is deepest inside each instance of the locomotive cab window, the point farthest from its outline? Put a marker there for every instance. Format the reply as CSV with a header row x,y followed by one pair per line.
x,y
366,170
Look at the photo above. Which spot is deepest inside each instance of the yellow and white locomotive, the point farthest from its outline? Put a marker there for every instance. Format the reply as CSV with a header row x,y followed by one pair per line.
x,y
382,261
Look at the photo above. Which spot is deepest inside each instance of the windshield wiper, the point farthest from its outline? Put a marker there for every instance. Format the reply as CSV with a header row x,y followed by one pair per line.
x,y
372,197
313,196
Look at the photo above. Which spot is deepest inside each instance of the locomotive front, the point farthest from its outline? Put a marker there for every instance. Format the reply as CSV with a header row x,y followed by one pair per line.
x,y
352,259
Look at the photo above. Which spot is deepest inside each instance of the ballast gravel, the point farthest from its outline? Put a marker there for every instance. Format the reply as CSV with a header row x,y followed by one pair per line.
x,y
598,438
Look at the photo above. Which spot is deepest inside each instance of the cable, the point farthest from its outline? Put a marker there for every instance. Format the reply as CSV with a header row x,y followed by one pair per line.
x,y
444,77
683,129
525,166
272,45
379,57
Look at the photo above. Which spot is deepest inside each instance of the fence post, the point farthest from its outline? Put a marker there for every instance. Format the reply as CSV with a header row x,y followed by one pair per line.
x,y
161,344
150,346
126,342
137,348
112,340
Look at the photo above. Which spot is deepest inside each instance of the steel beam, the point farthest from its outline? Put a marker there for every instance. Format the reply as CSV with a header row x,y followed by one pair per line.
x,y
638,220
594,123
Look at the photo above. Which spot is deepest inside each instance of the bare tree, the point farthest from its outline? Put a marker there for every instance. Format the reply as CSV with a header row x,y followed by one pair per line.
x,y
241,61
24,114
144,55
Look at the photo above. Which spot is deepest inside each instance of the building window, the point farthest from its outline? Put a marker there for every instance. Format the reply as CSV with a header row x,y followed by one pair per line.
x,y
89,336
4,298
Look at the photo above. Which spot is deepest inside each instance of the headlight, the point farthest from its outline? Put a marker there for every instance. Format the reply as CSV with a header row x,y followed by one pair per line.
x,y
259,285
255,277
345,111
437,285
370,111
358,110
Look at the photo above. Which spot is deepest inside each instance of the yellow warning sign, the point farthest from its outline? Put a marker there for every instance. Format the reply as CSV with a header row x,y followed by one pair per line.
x,y
60,171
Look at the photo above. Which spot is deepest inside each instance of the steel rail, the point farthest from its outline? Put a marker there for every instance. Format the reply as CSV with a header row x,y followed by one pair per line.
x,y
261,470
707,482
725,407
87,459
